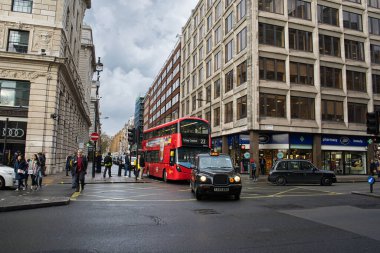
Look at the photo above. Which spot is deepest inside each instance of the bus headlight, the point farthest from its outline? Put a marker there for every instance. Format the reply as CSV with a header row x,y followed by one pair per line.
x,y
237,179
203,179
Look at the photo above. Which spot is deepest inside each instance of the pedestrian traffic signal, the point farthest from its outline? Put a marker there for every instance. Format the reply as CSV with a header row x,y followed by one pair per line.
x,y
373,123
131,135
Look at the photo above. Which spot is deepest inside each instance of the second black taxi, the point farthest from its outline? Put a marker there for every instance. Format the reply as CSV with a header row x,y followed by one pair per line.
x,y
213,174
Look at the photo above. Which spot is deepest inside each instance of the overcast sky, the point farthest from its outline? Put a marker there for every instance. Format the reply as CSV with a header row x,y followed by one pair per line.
x,y
133,39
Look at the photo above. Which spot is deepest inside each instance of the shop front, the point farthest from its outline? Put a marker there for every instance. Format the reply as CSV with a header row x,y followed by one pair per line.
x,y
13,136
345,155
273,147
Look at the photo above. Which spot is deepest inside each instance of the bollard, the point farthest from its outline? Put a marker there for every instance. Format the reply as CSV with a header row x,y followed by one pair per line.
x,y
371,181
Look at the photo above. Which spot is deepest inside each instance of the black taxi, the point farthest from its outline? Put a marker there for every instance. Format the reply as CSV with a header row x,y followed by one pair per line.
x,y
213,174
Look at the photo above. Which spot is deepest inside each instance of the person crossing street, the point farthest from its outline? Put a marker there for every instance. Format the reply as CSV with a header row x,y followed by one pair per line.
x,y
80,163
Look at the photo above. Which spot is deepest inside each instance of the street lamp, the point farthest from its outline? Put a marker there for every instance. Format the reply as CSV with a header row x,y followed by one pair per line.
x,y
98,69
209,123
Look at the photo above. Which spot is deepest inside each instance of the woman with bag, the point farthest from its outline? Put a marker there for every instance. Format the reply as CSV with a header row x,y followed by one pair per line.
x,y
20,170
34,169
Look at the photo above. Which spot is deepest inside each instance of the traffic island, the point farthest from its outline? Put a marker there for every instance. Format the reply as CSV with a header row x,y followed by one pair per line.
x,y
374,195
14,203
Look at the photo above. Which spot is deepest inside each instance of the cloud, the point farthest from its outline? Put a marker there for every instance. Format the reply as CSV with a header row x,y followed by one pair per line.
x,y
133,39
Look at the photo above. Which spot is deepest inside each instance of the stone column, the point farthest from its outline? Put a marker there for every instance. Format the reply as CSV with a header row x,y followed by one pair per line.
x,y
254,150
317,151
224,144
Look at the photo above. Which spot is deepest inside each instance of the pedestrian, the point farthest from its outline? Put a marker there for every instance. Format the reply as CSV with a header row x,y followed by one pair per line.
x,y
80,163
42,158
142,166
127,166
136,165
107,165
120,162
372,167
262,165
253,167
20,170
34,170
68,165
72,171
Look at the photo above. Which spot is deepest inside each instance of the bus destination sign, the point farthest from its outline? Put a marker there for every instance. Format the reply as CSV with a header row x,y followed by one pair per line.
x,y
195,140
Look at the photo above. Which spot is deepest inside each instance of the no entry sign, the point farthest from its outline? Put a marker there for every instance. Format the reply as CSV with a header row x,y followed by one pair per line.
x,y
94,136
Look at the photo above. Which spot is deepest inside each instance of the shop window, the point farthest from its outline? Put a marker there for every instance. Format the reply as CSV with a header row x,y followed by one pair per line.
x,y
18,41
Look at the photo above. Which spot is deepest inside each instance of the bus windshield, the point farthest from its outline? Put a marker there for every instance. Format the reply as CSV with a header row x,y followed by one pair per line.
x,y
193,127
186,155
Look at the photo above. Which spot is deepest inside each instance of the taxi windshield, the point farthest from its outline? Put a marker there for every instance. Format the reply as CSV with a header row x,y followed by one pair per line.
x,y
215,163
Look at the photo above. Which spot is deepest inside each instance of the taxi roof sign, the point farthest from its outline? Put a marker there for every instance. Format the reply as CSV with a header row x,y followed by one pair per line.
x,y
214,154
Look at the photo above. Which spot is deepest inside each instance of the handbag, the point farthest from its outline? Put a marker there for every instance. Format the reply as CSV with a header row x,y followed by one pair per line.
x,y
20,171
30,171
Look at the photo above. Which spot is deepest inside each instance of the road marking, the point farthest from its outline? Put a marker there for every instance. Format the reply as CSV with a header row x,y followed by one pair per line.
x,y
75,196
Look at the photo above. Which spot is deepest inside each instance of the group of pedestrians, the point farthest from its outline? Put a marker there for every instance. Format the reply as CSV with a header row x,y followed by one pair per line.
x,y
254,173
34,167
138,166
374,167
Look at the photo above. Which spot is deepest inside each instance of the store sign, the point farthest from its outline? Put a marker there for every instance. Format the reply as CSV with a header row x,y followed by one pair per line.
x,y
338,140
274,138
301,139
15,130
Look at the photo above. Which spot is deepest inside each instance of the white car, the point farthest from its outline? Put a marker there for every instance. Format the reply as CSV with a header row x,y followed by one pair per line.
x,y
7,177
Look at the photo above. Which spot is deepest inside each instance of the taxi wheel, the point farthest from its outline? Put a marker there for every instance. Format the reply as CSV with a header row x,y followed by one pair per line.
x,y
198,196
326,181
280,181
2,183
165,176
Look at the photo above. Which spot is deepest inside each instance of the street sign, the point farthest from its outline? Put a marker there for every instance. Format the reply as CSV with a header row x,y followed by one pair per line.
x,y
94,136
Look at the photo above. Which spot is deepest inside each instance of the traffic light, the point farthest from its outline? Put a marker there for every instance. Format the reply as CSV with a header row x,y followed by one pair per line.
x,y
131,135
373,123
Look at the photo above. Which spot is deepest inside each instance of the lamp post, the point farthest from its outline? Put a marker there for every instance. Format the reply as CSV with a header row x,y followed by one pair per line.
x,y
98,68
209,123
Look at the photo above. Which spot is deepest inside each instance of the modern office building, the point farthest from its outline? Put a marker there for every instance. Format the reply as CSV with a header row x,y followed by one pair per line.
x,y
44,97
285,78
163,94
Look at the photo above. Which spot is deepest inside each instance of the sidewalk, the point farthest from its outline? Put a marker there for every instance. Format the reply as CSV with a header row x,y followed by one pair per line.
x,y
56,190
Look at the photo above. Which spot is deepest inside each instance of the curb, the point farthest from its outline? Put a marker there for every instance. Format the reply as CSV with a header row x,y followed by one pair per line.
x,y
373,195
100,182
64,201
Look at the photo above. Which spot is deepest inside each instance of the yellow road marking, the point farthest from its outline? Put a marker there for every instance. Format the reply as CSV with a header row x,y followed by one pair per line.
x,y
75,196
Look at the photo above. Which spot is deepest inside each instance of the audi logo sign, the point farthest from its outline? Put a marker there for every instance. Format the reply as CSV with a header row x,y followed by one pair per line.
x,y
14,132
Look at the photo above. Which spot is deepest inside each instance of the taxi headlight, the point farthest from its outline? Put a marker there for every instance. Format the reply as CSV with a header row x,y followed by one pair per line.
x,y
237,179
203,178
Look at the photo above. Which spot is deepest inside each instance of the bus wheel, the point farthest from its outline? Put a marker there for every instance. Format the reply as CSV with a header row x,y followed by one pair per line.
x,y
165,176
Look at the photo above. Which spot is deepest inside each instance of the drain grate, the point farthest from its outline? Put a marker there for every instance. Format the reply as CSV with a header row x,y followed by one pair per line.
x,y
206,211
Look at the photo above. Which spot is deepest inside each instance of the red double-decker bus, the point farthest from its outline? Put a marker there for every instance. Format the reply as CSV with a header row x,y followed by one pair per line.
x,y
170,149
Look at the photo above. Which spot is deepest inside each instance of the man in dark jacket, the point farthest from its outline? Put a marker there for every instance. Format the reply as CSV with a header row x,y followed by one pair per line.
x,y
80,163
107,165
127,166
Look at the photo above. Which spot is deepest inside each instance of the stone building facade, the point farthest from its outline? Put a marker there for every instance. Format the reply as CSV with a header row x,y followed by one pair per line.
x,y
44,88
286,78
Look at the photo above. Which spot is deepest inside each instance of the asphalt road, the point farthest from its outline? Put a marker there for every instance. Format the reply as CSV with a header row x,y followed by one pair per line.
x,y
159,217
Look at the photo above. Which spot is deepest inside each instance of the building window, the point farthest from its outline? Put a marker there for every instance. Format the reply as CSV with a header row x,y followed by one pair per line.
x,y
218,60
272,105
275,6
376,83
241,10
200,75
208,68
209,22
14,93
299,9
209,4
300,40
218,35
195,63
194,102
200,54
302,108
374,3
374,25
352,21
228,23
356,81
272,69
208,94
375,53
18,41
354,1
195,81
331,77
354,50
229,81
301,73
229,51
329,45
218,11
209,45
241,73
217,88
357,113
200,99
271,35
328,15
217,116
332,110
228,112
242,107
241,40
22,6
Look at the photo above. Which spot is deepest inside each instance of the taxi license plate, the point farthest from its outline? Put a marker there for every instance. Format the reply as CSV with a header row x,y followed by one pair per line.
x,y
216,189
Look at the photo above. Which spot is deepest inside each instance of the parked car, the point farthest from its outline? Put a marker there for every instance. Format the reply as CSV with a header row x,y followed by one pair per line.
x,y
7,177
213,174
299,172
